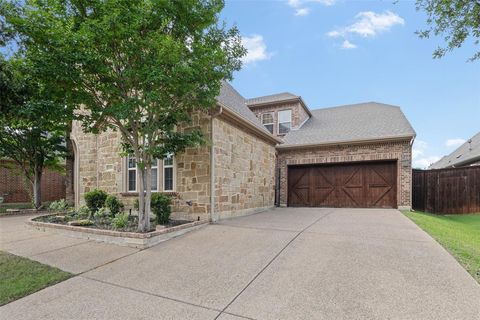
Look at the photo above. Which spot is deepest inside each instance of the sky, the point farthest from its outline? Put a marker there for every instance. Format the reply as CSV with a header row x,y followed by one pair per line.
x,y
337,52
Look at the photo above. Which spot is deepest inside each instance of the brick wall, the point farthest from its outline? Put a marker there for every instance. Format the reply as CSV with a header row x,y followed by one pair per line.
x,y
299,115
400,151
12,186
244,171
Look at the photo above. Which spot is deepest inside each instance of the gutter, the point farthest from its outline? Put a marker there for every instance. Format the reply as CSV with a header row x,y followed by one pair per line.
x,y
252,126
212,166
297,98
344,142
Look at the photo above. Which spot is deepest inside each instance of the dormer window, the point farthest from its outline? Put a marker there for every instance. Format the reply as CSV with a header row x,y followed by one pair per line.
x,y
284,121
267,121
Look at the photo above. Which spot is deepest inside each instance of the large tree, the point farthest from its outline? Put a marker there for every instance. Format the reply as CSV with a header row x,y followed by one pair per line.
x,y
141,67
32,125
457,20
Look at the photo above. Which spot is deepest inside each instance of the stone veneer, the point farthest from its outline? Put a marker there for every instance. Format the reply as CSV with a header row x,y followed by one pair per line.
x,y
299,115
400,150
244,171
101,166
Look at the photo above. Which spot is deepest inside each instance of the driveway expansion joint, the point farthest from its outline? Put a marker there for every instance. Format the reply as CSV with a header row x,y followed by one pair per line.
x,y
150,293
272,260
61,248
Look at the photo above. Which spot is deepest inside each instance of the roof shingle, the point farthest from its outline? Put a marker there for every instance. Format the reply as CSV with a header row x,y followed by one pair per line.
x,y
467,152
351,123
231,99
271,98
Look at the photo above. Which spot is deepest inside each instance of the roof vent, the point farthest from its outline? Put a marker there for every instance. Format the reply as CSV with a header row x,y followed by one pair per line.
x,y
469,144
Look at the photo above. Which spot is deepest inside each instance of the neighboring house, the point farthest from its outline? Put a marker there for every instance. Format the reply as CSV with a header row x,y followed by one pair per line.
x,y
13,187
349,156
468,154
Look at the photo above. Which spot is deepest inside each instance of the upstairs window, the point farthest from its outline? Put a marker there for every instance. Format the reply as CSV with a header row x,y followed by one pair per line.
x,y
284,121
267,121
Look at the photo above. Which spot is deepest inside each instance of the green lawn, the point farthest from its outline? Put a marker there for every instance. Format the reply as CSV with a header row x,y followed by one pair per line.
x,y
20,277
459,234
5,206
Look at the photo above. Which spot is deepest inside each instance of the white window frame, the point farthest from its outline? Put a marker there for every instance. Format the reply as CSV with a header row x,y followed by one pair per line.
x,y
270,123
278,118
155,166
128,174
160,175
164,175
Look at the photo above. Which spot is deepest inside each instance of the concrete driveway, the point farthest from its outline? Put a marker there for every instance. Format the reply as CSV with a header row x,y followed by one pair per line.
x,y
280,264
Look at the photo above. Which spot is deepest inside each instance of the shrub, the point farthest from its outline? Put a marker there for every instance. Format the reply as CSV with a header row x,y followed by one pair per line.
x,y
84,222
160,206
113,204
120,221
59,205
83,213
101,213
95,199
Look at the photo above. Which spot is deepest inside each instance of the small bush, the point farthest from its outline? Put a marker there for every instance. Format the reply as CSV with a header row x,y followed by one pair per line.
x,y
160,206
83,213
57,219
59,205
120,221
84,222
113,204
101,213
95,199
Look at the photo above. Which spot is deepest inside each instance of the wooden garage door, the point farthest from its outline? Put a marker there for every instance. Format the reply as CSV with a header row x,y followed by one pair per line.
x,y
356,185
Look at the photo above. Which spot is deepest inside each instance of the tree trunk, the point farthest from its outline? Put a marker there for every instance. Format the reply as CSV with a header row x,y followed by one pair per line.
x,y
37,189
148,195
69,168
141,199
144,197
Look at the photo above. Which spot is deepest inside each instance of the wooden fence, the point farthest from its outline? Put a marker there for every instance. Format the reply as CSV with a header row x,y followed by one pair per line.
x,y
447,191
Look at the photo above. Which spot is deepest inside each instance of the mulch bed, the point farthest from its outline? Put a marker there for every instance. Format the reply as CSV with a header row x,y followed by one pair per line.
x,y
105,224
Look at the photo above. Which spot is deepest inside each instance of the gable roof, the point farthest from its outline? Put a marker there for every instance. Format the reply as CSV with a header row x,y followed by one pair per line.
x,y
230,99
272,98
277,98
467,152
351,123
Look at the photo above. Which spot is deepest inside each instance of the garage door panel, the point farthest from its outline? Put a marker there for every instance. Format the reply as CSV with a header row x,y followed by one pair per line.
x,y
300,182
368,184
380,186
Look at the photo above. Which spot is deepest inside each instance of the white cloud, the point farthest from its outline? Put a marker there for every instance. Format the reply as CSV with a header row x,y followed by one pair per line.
x,y
302,11
454,142
256,49
369,24
419,157
348,45
424,163
300,5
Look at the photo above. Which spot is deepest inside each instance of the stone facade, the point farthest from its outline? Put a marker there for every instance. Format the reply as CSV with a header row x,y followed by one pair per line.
x,y
299,114
100,165
244,171
400,151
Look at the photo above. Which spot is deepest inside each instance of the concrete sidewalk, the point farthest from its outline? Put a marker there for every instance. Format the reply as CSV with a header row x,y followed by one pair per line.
x,y
281,264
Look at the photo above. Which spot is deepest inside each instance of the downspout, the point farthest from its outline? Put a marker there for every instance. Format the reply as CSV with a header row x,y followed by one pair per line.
x,y
212,166
96,161
411,175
